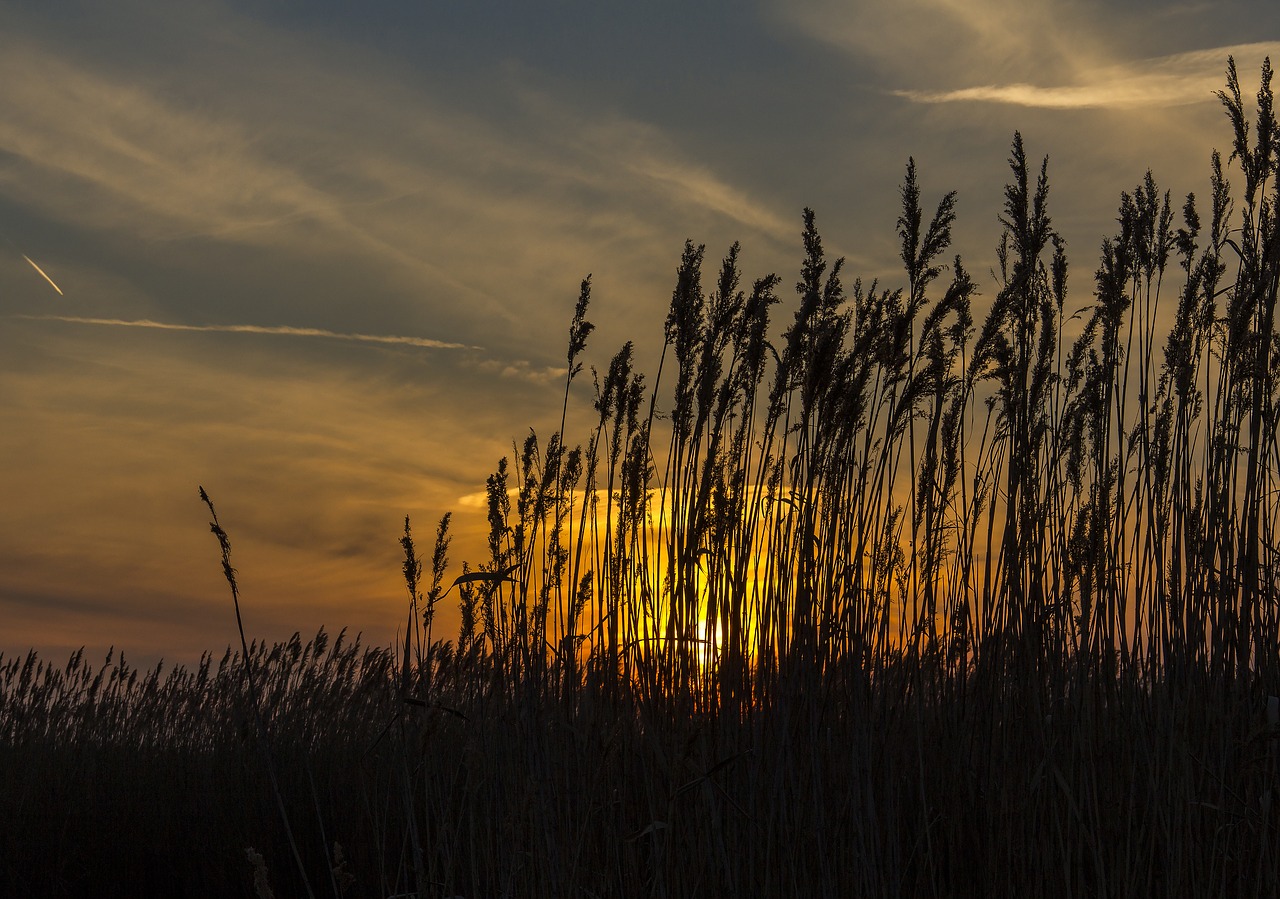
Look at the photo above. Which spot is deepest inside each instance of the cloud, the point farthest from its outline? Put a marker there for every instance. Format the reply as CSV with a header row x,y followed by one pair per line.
x,y
296,156
313,467
283,330
160,167
523,369
1175,80
933,40
1049,55
696,185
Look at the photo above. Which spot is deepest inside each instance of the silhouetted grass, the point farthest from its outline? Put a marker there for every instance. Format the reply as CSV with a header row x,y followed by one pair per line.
x,y
900,603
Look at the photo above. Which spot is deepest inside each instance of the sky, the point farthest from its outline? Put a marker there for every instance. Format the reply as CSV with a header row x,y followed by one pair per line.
x,y
321,257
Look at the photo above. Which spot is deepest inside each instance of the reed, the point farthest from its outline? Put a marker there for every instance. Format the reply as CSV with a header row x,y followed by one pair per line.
x,y
896,602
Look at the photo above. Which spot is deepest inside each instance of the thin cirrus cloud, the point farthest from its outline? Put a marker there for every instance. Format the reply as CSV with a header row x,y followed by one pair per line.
x,y
932,40
1048,55
280,330
106,151
350,174
1175,80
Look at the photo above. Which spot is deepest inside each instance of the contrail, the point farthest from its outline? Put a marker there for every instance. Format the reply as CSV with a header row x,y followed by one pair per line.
x,y
43,275
284,330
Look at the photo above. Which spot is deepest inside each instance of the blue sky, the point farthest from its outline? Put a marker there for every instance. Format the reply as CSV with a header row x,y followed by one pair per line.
x,y
321,257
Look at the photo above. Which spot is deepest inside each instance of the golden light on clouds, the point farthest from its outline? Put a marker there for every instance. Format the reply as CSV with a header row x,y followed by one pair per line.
x,y
1170,81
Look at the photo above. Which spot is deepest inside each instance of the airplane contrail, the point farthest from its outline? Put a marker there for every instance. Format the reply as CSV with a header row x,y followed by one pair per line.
x,y
43,275
284,330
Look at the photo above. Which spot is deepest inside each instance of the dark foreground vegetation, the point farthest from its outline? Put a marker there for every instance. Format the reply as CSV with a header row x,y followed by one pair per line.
x,y
898,604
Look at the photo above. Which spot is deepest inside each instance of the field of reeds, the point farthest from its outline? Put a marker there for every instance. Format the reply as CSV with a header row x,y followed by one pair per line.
x,y
891,603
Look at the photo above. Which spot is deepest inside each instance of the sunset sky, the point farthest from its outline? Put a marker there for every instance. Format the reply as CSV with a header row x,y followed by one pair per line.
x,y
321,257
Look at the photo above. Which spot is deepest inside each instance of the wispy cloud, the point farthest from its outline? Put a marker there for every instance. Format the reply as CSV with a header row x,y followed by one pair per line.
x,y
282,330
1051,54
417,190
702,187
523,370
1175,80
948,40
